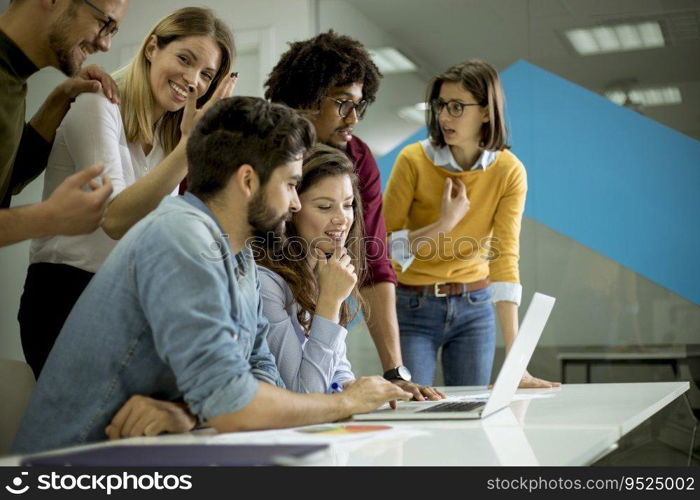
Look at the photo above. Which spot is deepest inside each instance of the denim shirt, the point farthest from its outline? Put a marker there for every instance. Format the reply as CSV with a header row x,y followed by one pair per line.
x,y
172,313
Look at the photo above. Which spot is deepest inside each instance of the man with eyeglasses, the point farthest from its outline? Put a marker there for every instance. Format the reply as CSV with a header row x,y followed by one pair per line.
x,y
35,34
332,79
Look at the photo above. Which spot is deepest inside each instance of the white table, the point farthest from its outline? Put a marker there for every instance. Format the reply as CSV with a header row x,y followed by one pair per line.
x,y
619,406
577,426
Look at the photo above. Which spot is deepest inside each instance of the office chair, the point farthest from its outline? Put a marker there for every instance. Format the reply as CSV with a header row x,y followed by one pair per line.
x,y
16,384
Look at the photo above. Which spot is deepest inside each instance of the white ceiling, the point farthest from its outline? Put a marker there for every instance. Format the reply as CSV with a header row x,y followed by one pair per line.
x,y
439,33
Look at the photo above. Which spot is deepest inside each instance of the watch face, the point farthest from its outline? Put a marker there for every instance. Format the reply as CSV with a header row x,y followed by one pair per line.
x,y
404,373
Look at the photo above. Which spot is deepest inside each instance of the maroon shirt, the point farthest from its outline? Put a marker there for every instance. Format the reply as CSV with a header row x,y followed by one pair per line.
x,y
379,266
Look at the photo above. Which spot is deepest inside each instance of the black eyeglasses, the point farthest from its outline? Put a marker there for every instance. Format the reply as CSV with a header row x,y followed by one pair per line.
x,y
345,107
454,108
109,26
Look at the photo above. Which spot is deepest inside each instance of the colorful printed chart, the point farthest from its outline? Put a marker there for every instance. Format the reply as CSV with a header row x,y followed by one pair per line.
x,y
344,429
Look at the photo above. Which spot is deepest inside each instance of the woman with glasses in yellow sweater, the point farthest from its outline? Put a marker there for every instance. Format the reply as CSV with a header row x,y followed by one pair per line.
x,y
453,208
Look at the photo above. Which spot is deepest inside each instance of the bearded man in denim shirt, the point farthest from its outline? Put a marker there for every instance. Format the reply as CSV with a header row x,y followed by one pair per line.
x,y
175,311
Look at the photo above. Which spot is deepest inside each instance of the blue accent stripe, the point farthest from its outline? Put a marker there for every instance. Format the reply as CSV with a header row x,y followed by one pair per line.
x,y
386,162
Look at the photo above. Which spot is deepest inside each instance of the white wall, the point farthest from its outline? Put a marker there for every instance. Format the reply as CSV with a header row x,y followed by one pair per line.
x,y
261,28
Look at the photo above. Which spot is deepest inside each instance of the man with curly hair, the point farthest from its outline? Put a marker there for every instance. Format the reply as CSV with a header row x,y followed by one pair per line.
x,y
332,79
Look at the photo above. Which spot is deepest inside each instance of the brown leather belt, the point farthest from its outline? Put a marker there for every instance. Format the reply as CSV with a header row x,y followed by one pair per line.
x,y
447,289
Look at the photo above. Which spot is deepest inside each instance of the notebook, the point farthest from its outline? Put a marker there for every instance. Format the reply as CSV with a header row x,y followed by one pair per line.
x,y
178,455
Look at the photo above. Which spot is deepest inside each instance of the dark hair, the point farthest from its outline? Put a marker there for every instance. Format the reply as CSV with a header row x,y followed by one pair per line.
x,y
482,81
243,130
321,162
306,72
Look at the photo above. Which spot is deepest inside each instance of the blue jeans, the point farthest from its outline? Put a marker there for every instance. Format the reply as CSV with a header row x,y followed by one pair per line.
x,y
463,325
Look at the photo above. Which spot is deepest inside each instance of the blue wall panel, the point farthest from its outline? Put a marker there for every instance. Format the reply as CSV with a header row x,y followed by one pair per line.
x,y
386,162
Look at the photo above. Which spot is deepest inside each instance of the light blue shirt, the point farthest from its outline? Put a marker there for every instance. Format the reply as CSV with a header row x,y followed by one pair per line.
x,y
442,157
306,364
172,313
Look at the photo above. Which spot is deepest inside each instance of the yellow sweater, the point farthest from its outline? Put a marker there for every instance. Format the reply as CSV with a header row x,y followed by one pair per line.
x,y
484,243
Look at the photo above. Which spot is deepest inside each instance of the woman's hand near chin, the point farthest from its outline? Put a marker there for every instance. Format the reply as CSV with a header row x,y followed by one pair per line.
x,y
336,279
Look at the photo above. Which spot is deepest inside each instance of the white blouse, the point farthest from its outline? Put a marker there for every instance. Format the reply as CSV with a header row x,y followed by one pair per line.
x,y
91,132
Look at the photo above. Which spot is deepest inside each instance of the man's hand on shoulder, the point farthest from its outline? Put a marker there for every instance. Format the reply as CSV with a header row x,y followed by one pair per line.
x,y
89,79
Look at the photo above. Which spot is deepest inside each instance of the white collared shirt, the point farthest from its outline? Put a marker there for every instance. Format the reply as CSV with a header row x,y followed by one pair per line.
x,y
399,245
442,157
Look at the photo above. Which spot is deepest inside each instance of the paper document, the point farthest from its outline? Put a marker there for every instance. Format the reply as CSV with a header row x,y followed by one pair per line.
x,y
325,433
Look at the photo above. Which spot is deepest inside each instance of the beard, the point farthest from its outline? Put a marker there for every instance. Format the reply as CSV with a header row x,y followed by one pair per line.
x,y
61,46
266,225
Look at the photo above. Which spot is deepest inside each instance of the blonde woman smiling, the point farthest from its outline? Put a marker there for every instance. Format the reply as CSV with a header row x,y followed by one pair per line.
x,y
182,67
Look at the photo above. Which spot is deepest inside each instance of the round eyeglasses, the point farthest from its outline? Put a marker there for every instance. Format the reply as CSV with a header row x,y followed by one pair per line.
x,y
454,108
345,107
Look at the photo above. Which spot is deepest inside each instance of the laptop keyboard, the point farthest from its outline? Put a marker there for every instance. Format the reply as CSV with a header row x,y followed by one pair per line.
x,y
453,406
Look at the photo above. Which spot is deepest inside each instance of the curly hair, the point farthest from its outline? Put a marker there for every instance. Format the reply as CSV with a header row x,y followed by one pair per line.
x,y
309,68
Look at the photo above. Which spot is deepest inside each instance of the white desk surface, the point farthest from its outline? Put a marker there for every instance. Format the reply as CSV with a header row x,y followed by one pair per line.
x,y
578,425
619,406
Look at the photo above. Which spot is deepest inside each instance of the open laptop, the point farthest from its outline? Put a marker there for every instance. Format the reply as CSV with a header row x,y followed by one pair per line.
x,y
503,390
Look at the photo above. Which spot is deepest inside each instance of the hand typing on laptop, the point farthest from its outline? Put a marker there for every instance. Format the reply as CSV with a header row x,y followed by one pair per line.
x,y
420,392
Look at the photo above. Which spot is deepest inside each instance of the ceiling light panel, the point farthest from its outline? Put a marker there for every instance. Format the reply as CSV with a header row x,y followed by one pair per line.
x,y
414,114
658,96
389,60
616,38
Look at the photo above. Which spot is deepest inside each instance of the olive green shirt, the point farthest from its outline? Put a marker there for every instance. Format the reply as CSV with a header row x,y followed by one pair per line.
x,y
23,152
